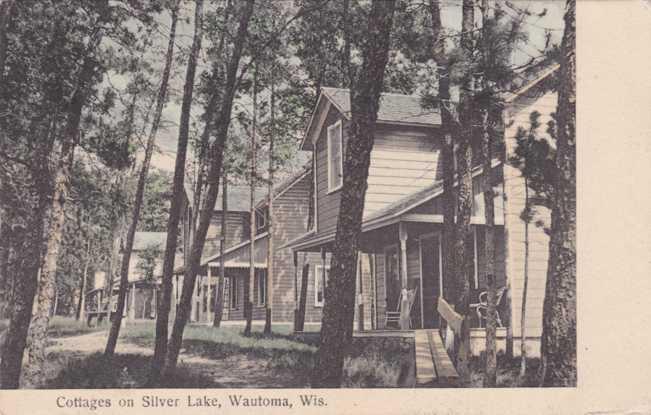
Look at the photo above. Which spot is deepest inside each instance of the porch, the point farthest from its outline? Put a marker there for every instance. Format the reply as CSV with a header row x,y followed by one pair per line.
x,y
406,257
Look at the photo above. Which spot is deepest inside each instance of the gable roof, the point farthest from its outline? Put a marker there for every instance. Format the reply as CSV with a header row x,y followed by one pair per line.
x,y
286,184
239,198
398,109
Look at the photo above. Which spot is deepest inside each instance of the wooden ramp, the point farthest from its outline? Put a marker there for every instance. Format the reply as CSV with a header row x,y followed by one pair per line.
x,y
432,361
425,372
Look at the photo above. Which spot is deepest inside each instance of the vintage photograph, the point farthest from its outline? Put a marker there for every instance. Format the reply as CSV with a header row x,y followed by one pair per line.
x,y
287,194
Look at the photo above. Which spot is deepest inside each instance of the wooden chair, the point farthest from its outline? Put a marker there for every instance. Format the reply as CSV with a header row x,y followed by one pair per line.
x,y
395,316
481,307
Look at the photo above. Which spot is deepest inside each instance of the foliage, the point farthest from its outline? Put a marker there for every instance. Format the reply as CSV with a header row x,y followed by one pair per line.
x,y
535,156
157,201
147,260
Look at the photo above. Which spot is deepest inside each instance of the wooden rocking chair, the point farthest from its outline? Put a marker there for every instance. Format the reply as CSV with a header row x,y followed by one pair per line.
x,y
481,308
396,316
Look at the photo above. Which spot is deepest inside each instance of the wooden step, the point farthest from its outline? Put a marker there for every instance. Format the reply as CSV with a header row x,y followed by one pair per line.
x,y
425,372
444,367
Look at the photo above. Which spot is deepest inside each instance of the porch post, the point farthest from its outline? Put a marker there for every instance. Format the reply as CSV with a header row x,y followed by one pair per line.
x,y
295,257
209,294
404,315
132,311
360,295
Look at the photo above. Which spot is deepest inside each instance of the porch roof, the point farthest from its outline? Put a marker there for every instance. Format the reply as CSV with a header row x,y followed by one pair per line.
x,y
239,254
393,213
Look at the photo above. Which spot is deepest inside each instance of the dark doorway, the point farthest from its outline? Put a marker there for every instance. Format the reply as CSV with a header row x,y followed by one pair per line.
x,y
431,269
392,272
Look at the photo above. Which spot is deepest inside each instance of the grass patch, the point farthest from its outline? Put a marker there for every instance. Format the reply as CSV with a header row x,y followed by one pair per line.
x,y
121,372
67,326
508,372
381,362
222,342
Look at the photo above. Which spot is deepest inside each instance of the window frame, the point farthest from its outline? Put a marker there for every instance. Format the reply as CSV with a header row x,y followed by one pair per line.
x,y
260,219
235,303
318,269
338,124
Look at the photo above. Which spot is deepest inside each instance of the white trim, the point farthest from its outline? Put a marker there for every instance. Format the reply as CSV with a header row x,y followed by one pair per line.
x,y
321,120
339,125
318,270
239,264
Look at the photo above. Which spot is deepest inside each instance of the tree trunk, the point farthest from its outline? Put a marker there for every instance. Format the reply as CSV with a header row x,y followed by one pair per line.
x,y
5,15
449,129
26,261
5,278
270,220
161,99
559,311
213,177
63,161
164,306
338,310
248,307
523,316
79,315
300,316
219,296
211,109
463,233
490,376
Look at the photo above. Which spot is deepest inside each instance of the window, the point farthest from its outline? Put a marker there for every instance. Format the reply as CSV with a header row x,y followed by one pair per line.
x,y
234,293
319,288
260,219
261,286
335,157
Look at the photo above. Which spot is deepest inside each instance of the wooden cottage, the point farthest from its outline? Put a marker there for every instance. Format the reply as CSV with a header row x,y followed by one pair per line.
x,y
403,215
290,215
143,290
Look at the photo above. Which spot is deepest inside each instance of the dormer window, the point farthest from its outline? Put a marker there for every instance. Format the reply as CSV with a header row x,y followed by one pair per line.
x,y
335,157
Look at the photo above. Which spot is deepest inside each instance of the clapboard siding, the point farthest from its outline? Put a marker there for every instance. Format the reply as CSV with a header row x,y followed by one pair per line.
x,y
237,228
328,203
403,161
518,116
289,222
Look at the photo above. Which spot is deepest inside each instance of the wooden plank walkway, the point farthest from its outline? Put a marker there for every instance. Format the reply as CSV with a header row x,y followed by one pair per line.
x,y
432,361
444,367
425,372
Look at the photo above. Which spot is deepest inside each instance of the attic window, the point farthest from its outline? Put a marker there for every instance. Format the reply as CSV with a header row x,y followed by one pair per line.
x,y
335,157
